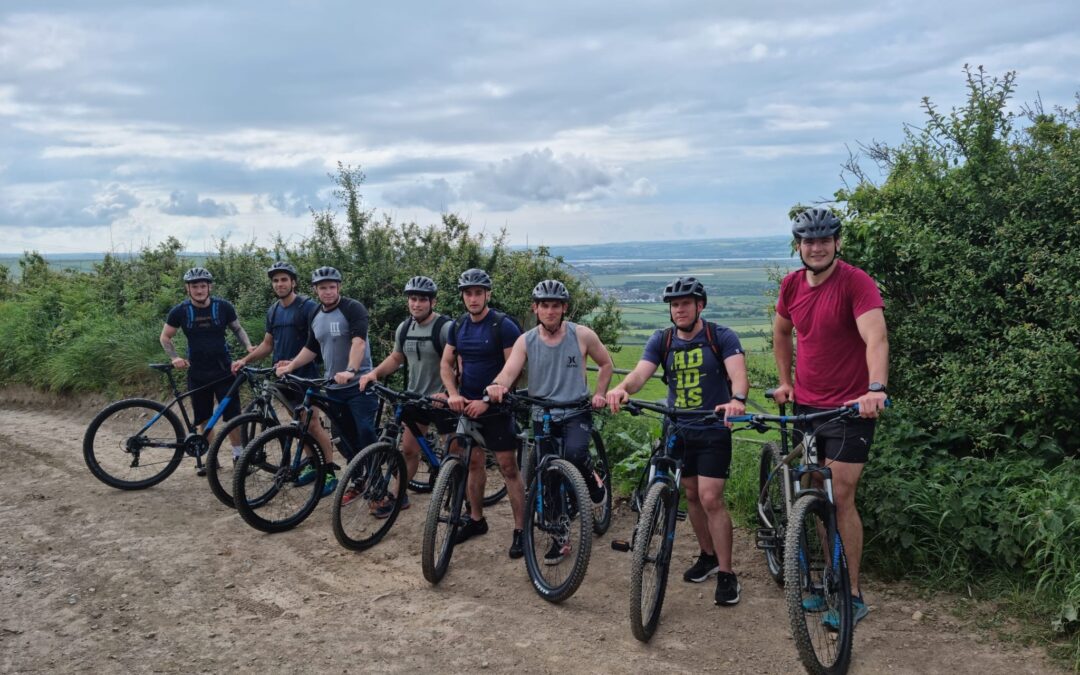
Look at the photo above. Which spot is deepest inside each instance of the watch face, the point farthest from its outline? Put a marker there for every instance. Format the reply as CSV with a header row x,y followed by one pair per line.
x,y
877,387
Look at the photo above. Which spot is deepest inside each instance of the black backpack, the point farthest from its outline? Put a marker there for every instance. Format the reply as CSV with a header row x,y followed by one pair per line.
x,y
435,338
302,320
710,335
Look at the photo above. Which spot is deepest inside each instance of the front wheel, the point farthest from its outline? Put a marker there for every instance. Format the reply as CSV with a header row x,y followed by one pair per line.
x,y
220,463
279,479
602,511
133,444
369,497
772,510
653,540
558,530
443,519
817,589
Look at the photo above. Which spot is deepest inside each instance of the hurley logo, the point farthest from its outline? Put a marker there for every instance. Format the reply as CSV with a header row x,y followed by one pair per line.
x,y
571,362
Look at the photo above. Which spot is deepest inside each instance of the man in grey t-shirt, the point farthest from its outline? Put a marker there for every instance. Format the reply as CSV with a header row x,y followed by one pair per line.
x,y
339,332
418,342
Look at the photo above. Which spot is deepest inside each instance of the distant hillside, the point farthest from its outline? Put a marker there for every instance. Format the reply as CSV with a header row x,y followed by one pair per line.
x,y
751,248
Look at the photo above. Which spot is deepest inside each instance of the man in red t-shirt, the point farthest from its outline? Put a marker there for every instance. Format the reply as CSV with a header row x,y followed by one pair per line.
x,y
843,358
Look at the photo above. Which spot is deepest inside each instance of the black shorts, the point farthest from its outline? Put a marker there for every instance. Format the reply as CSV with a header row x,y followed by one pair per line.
x,y
498,431
202,402
705,452
445,421
846,440
576,434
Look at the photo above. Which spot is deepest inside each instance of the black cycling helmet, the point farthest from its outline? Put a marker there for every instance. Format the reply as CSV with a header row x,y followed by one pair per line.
x,y
685,287
550,289
325,274
421,286
281,266
474,277
197,274
815,223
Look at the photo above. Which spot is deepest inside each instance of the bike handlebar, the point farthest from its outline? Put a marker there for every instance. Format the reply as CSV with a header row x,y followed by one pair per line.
x,y
521,396
404,396
635,406
842,411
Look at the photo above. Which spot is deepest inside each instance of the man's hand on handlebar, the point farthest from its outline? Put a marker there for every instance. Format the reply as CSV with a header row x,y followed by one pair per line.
x,y
616,398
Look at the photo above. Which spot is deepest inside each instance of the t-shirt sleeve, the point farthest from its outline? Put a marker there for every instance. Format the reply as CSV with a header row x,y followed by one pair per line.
x,y
728,342
451,337
781,303
356,314
510,332
652,348
228,312
446,332
312,343
865,295
175,317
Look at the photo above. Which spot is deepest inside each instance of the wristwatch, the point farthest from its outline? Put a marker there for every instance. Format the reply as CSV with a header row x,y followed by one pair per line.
x,y
739,397
352,370
877,387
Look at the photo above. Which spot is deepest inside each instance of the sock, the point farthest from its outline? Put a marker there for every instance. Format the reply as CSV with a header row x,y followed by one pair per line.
x,y
236,450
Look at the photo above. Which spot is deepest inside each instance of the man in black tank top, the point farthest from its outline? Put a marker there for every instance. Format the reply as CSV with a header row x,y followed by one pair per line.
x,y
556,351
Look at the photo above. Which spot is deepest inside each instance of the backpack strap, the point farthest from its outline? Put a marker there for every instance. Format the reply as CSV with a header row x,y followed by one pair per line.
x,y
436,334
214,311
190,314
710,336
665,349
399,338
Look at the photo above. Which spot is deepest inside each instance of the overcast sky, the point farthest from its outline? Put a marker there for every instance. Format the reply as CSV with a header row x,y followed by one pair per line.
x,y
122,123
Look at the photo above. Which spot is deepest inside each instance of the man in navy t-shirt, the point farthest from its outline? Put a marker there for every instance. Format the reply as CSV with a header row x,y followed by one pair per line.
x,y
204,320
288,322
698,369
481,342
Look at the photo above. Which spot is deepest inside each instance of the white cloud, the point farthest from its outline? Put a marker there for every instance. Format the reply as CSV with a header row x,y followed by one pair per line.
x,y
182,203
40,42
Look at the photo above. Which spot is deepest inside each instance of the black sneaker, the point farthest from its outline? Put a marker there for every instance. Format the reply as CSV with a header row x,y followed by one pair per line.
x,y
727,589
556,552
596,488
517,549
471,528
705,567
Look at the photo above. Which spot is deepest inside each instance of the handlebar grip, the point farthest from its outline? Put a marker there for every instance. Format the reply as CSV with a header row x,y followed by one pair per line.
x,y
770,393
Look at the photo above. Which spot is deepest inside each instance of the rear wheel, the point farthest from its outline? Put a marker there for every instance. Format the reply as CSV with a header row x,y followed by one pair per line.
x,y
817,589
369,497
558,530
495,487
772,509
133,444
443,519
652,558
219,459
268,490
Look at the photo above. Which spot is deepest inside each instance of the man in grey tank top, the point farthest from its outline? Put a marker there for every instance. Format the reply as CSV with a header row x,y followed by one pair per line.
x,y
418,343
556,351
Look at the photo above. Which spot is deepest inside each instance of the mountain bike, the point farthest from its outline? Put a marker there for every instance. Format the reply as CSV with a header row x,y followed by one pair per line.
x,y
376,476
559,518
135,443
267,489
654,533
817,587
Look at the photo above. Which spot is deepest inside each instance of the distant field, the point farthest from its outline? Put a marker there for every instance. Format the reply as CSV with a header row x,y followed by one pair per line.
x,y
709,273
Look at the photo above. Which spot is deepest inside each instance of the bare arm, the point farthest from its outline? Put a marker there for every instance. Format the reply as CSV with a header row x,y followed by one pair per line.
x,y
740,385
783,350
390,364
241,335
875,334
303,358
166,339
596,351
261,351
631,384
515,362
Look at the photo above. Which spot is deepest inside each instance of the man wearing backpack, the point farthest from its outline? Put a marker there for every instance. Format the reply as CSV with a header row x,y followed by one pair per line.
x,y
203,319
418,343
705,369
479,343
288,322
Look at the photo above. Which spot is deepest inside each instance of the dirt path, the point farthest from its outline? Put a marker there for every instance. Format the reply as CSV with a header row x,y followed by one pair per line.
x,y
167,579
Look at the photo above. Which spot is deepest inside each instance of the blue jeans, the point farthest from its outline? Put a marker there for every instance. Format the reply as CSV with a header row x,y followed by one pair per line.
x,y
363,405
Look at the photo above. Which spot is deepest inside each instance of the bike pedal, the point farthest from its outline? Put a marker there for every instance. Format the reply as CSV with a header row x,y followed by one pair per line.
x,y
766,538
680,515
620,545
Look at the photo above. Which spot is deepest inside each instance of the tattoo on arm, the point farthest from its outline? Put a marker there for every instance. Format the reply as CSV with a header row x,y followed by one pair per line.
x,y
240,334
170,350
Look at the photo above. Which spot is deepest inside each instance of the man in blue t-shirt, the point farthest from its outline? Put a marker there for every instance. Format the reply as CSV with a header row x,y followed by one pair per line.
x,y
704,372
288,322
481,342
204,320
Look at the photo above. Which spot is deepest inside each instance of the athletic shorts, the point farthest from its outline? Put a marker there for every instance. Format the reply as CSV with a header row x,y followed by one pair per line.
x,y
202,402
445,421
846,440
705,452
497,430
575,432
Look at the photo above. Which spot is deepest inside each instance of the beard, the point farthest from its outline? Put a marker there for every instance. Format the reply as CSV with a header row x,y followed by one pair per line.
x,y
820,268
